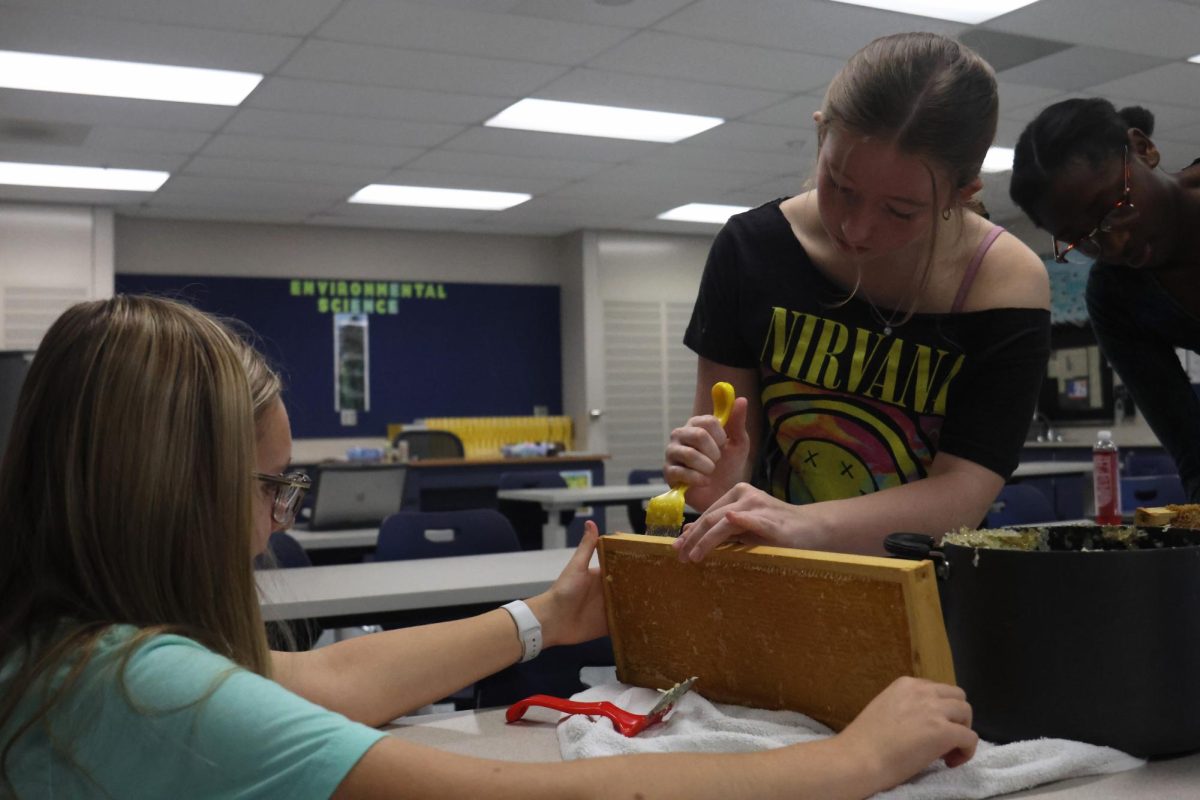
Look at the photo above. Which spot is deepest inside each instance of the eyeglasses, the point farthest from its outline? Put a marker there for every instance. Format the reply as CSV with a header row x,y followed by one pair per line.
x,y
1118,216
289,492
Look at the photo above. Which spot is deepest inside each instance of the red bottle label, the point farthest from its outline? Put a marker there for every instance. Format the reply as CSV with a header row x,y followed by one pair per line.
x,y
1106,483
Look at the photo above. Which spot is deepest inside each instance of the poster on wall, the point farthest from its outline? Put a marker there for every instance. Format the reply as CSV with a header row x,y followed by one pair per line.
x,y
427,348
351,381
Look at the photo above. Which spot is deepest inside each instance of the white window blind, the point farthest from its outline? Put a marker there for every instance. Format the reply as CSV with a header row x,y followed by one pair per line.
x,y
28,311
650,378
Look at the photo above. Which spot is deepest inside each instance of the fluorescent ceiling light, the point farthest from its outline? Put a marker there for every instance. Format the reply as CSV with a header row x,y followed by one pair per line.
x,y
433,197
971,13
46,73
1195,59
702,212
64,177
998,159
584,119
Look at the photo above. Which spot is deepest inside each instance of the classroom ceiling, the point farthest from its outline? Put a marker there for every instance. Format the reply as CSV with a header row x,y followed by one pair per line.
x,y
383,91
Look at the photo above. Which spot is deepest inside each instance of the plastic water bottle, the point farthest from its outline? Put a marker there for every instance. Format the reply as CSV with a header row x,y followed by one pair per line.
x,y
1106,481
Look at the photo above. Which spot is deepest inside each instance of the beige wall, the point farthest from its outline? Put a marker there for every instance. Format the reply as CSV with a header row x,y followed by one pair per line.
x,y
308,251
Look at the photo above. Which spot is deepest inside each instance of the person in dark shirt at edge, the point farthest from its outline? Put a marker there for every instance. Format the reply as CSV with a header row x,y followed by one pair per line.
x,y
1090,175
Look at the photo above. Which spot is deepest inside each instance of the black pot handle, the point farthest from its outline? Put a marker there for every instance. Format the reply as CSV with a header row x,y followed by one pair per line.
x,y
913,546
918,547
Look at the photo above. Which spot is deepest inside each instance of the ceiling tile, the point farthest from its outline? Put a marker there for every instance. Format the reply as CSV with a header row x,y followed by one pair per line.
x,y
337,127
462,180
127,40
41,194
34,131
1007,50
385,102
404,216
290,170
726,63
607,87
1167,118
1159,28
811,26
662,179
282,147
502,165
181,188
795,112
550,145
77,108
416,69
560,207
625,15
756,138
288,17
146,140
694,157
1174,83
1014,96
1079,67
474,33
89,157
759,193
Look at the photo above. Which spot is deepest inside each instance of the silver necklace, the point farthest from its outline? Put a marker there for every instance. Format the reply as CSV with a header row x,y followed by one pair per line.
x,y
889,323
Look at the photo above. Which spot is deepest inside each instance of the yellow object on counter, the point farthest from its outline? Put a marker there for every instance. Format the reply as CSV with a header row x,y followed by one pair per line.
x,y
482,437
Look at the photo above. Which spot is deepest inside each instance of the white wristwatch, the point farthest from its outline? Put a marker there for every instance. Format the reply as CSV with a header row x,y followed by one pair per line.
x,y
528,628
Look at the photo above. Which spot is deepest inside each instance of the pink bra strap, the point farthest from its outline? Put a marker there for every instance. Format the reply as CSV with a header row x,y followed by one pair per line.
x,y
973,268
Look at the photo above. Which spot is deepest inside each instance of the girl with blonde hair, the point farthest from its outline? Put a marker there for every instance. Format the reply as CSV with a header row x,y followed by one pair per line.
x,y
886,342
135,489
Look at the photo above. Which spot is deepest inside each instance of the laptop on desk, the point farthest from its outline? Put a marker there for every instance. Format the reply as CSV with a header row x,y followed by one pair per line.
x,y
356,496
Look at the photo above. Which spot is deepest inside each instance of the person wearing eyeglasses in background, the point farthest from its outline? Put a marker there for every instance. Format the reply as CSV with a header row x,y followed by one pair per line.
x,y
146,467
1090,175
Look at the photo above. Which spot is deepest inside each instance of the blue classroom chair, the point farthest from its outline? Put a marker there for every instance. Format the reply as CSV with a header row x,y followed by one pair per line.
x,y
439,534
1139,464
430,444
284,552
1150,490
1019,504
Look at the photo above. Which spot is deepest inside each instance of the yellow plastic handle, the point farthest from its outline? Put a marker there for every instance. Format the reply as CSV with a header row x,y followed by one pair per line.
x,y
723,397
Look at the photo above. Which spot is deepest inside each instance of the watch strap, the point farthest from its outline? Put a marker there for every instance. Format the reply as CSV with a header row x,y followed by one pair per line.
x,y
528,628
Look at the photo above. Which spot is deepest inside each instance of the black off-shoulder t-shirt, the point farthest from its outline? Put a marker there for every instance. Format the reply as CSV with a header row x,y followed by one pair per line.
x,y
849,409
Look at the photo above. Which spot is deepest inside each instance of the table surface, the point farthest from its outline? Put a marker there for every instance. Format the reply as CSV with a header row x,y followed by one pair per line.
x,y
1037,469
554,498
584,495
481,461
343,537
354,589
484,734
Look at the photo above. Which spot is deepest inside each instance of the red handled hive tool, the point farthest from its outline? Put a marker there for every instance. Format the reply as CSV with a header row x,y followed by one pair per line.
x,y
625,722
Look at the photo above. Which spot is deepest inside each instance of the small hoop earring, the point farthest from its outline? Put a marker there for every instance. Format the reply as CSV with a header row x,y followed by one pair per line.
x,y
946,214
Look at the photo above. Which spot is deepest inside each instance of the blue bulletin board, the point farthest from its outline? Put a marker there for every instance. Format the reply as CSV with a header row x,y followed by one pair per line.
x,y
435,349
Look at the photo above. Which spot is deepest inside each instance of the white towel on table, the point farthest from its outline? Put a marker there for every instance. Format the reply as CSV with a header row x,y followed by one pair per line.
x,y
696,725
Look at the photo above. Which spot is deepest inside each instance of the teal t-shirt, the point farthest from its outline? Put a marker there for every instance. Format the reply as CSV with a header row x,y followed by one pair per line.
x,y
250,738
